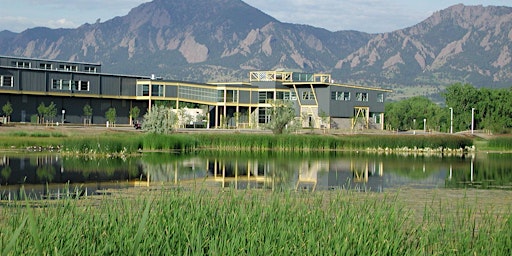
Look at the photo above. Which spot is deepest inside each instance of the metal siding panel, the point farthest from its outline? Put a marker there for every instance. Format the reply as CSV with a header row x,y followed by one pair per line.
x,y
244,97
110,86
128,85
33,81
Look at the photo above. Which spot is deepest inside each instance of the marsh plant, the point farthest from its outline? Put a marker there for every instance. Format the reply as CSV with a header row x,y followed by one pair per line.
x,y
206,222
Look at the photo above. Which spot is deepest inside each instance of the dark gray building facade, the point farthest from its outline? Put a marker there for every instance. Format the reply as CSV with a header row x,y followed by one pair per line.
x,y
319,102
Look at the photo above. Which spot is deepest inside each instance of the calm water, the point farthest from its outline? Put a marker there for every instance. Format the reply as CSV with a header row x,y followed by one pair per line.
x,y
54,176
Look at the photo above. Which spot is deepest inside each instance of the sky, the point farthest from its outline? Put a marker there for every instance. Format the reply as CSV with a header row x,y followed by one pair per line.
x,y
371,16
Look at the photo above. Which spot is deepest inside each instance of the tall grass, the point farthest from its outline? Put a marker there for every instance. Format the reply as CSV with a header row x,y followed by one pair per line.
x,y
242,223
304,143
500,143
131,143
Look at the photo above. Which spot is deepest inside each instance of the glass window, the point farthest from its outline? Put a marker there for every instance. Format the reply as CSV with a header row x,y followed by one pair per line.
x,y
346,96
6,81
56,84
84,85
66,85
231,96
308,95
361,96
68,67
145,90
157,90
90,69
380,97
75,85
21,64
45,66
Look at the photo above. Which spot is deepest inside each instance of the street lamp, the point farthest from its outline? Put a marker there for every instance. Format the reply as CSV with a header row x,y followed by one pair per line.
x,y
425,125
63,112
472,120
451,120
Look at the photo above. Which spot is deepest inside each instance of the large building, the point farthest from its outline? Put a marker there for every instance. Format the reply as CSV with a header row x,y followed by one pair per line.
x,y
318,100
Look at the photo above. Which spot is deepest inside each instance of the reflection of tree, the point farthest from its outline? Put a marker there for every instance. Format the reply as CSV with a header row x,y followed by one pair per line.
x,y
6,172
174,169
46,172
282,171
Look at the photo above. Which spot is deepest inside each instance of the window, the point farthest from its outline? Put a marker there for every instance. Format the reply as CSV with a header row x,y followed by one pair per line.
x,y
308,96
90,69
197,93
264,97
6,81
56,84
145,90
84,85
66,85
231,96
340,96
361,96
45,66
68,67
21,64
380,97
157,90
80,85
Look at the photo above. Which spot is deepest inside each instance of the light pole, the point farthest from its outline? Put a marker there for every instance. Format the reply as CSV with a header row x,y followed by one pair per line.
x,y
472,120
63,112
425,125
451,120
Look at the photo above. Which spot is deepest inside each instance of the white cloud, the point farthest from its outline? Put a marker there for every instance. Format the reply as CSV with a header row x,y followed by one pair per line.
x,y
61,23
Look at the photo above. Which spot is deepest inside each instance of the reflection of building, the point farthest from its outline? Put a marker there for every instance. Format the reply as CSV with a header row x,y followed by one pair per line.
x,y
274,174
317,99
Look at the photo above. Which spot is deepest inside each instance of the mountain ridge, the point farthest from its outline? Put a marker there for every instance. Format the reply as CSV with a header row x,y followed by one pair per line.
x,y
221,40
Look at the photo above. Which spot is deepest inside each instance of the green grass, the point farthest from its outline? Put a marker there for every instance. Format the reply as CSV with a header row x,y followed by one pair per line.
x,y
249,223
500,143
125,143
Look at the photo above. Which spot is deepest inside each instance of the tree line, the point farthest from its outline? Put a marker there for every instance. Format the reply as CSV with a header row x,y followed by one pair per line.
x,y
491,110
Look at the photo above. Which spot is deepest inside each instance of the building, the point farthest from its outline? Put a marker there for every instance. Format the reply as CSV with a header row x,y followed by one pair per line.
x,y
318,101
26,83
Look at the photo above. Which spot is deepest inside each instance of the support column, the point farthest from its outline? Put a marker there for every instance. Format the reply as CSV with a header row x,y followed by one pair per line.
x,y
216,116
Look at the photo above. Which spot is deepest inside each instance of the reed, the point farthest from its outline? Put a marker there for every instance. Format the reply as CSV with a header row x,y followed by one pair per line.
x,y
207,222
300,143
500,143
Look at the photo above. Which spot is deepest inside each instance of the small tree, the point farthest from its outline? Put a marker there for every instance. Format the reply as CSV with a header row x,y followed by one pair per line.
x,y
160,119
281,114
51,111
134,112
111,116
87,114
41,110
7,109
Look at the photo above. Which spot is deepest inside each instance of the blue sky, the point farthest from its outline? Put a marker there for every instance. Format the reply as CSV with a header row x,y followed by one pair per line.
x,y
373,16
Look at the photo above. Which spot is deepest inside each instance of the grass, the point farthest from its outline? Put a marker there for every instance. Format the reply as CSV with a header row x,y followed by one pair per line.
x,y
228,222
500,143
127,143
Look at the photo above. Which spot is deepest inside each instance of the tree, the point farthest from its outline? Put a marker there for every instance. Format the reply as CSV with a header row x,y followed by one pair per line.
x,y
87,114
111,116
51,111
409,114
7,109
41,110
281,113
160,120
134,112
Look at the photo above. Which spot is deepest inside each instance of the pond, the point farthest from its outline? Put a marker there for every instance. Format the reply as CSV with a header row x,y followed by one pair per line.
x,y
54,176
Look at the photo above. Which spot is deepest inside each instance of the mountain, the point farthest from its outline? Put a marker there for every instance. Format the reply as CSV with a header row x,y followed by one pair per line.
x,y
221,40
469,44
